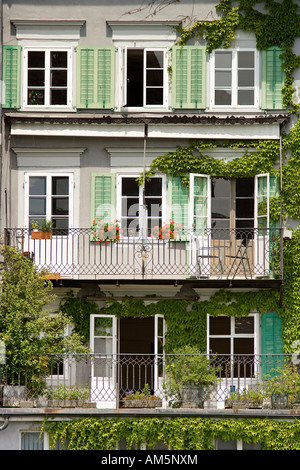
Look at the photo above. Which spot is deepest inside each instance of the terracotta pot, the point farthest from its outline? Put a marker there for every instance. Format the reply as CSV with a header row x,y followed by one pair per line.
x,y
40,234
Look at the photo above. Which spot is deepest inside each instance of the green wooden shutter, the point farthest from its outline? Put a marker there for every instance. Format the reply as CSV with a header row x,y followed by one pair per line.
x,y
178,203
188,77
271,342
103,197
272,78
96,77
11,76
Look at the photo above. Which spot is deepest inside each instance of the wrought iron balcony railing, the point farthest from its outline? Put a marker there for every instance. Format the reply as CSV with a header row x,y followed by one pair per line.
x,y
113,381
213,254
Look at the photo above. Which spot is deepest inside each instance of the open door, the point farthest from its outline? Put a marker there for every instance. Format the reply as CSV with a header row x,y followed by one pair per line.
x,y
262,224
103,343
200,221
159,351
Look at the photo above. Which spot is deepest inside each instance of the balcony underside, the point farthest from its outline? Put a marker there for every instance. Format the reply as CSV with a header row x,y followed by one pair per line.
x,y
210,256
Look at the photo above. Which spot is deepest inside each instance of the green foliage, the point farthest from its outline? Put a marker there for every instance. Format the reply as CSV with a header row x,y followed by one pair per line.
x,y
30,332
180,433
284,381
64,392
186,321
274,24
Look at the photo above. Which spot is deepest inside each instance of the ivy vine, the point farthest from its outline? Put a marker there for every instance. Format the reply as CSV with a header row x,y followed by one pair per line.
x,y
180,433
274,24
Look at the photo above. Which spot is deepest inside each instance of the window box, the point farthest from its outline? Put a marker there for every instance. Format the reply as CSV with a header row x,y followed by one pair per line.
x,y
41,235
142,403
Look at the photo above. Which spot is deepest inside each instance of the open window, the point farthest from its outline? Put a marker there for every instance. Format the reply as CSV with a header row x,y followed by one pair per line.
x,y
145,78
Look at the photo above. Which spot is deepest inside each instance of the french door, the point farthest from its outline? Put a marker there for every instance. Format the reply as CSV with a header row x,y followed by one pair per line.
x,y
111,369
49,197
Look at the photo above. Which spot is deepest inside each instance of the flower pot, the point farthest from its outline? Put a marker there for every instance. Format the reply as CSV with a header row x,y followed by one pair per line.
x,y
279,400
243,404
142,403
192,396
40,235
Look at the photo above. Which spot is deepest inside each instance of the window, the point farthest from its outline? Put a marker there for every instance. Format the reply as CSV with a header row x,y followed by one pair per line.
x,y
232,207
49,198
234,341
47,78
234,78
145,78
222,444
132,216
224,205
32,441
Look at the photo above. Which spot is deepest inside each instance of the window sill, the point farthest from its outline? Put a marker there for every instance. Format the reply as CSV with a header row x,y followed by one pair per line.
x,y
48,109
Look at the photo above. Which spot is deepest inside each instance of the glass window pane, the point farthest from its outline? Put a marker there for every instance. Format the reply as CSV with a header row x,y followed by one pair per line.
x,y
243,346
154,96
59,59
37,206
130,187
59,78
246,97
223,78
58,97
223,97
244,208
60,224
103,326
219,345
245,59
223,59
60,185
244,187
37,185
200,207
36,78
155,59
36,59
103,345
200,186
154,78
244,325
153,207
35,97
60,206
153,187
226,445
219,325
246,78
130,207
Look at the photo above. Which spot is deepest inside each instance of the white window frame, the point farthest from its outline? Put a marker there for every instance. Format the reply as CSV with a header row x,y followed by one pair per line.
x,y
47,50
120,176
123,78
48,176
234,85
234,335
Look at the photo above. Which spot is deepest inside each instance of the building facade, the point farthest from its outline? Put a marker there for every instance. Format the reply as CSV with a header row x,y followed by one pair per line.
x,y
160,164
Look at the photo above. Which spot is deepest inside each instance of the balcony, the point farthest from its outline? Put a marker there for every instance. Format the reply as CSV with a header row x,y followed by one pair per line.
x,y
107,381
213,254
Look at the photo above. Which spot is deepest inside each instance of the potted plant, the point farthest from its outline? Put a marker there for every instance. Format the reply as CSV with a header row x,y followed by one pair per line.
x,y
106,232
167,231
143,399
283,386
190,377
45,231
64,396
248,398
